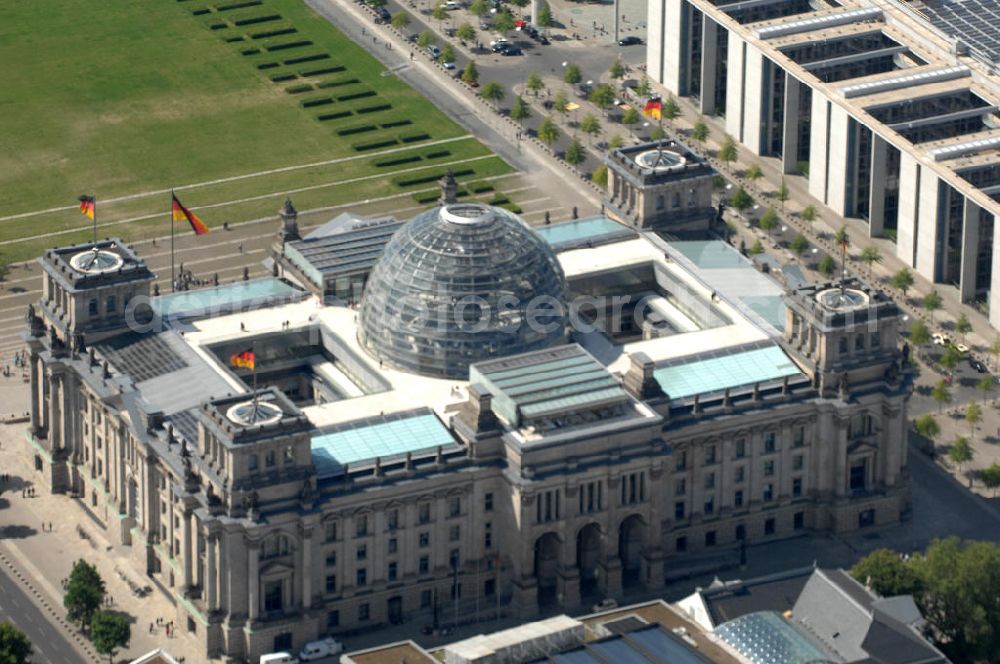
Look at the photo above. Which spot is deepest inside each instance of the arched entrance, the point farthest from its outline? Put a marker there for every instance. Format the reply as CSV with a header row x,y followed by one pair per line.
x,y
630,536
547,567
588,559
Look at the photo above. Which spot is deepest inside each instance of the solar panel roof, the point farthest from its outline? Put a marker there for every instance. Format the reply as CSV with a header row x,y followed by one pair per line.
x,y
718,370
975,22
384,436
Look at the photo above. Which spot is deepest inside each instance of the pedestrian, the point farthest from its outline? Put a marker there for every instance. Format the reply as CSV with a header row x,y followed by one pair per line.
x,y
150,628
411,55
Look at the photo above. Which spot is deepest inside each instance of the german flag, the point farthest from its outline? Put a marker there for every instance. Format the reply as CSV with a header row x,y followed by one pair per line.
x,y
244,360
653,108
181,213
88,206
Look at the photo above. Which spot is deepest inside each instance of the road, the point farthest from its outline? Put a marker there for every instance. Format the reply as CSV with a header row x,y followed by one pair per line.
x,y
51,646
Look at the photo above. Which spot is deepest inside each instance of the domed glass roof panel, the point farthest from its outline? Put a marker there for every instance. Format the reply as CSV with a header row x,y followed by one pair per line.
x,y
460,284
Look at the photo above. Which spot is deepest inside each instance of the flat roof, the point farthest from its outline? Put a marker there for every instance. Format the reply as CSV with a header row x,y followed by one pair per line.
x,y
256,294
382,436
974,22
347,251
718,370
581,231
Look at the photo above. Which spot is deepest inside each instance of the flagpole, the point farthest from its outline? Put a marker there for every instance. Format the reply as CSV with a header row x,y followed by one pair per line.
x,y
173,280
95,222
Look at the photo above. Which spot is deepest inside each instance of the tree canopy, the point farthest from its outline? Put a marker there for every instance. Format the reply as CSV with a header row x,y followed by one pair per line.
x,y
471,72
84,593
400,20
15,648
799,244
728,152
700,131
827,267
548,132
600,176
572,74
886,573
534,83
769,220
575,153
602,95
928,427
503,21
962,325
110,631
741,200
466,32
941,394
426,38
919,333
545,17
808,214
932,302
520,111
479,8
630,117
973,416
903,280
960,452
617,69
590,124
560,102
493,92
754,173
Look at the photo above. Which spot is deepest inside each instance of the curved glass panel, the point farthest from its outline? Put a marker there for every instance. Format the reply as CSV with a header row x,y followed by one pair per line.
x,y
460,284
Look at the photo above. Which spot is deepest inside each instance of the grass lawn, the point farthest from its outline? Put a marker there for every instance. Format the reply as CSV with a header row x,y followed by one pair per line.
x,y
118,97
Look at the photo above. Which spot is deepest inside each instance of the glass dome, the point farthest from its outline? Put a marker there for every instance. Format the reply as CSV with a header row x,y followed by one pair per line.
x,y
460,284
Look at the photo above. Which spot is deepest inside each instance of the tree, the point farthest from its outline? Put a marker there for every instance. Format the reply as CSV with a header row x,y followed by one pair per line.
x,y
400,20
590,125
643,89
963,326
493,92
448,54
544,17
919,333
376,3
995,351
700,131
950,358
754,173
560,102
769,220
602,95
84,593
426,38
519,111
869,256
941,394
903,280
782,194
110,631
572,74
440,14
826,266
670,110
479,8
991,477
466,33
615,142
741,200
630,117
973,416
808,214
928,427
617,70
841,237
985,384
548,132
886,573
471,73
575,153
756,249
932,302
960,452
600,176
799,245
534,83
728,152
503,22
15,648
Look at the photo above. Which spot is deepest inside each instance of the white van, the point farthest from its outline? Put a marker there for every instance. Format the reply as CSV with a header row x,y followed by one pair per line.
x,y
320,649
278,658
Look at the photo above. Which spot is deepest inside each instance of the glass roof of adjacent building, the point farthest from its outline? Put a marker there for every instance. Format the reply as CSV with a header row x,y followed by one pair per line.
x,y
581,231
383,436
767,638
258,293
718,370
547,383
648,645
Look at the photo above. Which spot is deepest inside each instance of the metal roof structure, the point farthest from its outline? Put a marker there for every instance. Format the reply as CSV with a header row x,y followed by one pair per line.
x,y
385,437
348,247
547,383
726,369
584,232
767,638
974,22
651,644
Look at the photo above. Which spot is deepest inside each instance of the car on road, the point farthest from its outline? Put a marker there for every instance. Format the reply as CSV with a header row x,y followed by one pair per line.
x,y
962,348
448,65
499,41
940,339
631,40
319,649
510,50
382,15
977,366
278,658
452,5
412,38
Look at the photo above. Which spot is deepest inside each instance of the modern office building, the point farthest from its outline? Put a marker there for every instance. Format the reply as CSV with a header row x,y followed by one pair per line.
x,y
888,106
510,418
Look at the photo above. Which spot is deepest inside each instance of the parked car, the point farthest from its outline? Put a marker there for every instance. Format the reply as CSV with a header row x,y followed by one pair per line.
x,y
434,51
631,40
940,339
448,65
413,37
278,658
962,348
499,41
320,649
452,5
978,366
511,50
382,15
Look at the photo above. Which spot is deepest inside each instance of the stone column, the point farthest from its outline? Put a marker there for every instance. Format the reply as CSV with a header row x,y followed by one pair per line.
x,y
55,417
35,387
709,64
253,580
307,572
840,462
211,574
189,550
970,250
876,203
790,129
569,576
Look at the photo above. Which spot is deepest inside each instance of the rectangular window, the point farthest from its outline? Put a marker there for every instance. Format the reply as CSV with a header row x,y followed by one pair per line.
x,y
876,341
770,442
738,499
455,506
424,565
710,538
842,345
331,559
392,545
453,559
362,577
799,520
769,526
768,492
252,462
332,620
92,307
680,486
797,487
362,552
454,533
111,304
425,599
859,343
798,436
797,462
361,526
391,575
709,480
392,519
681,460
768,468
424,513
741,448
424,540
331,584
488,502
273,600
488,536
709,504
269,458
364,612
709,454
681,544
679,510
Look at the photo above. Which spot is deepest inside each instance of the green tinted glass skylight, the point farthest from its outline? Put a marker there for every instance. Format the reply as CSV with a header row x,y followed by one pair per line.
x,y
718,372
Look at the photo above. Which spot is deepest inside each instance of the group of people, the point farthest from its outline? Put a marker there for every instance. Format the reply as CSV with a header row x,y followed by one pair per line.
x,y
168,627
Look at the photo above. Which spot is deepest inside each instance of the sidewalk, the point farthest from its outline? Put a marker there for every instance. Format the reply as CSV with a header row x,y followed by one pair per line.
x,y
47,558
